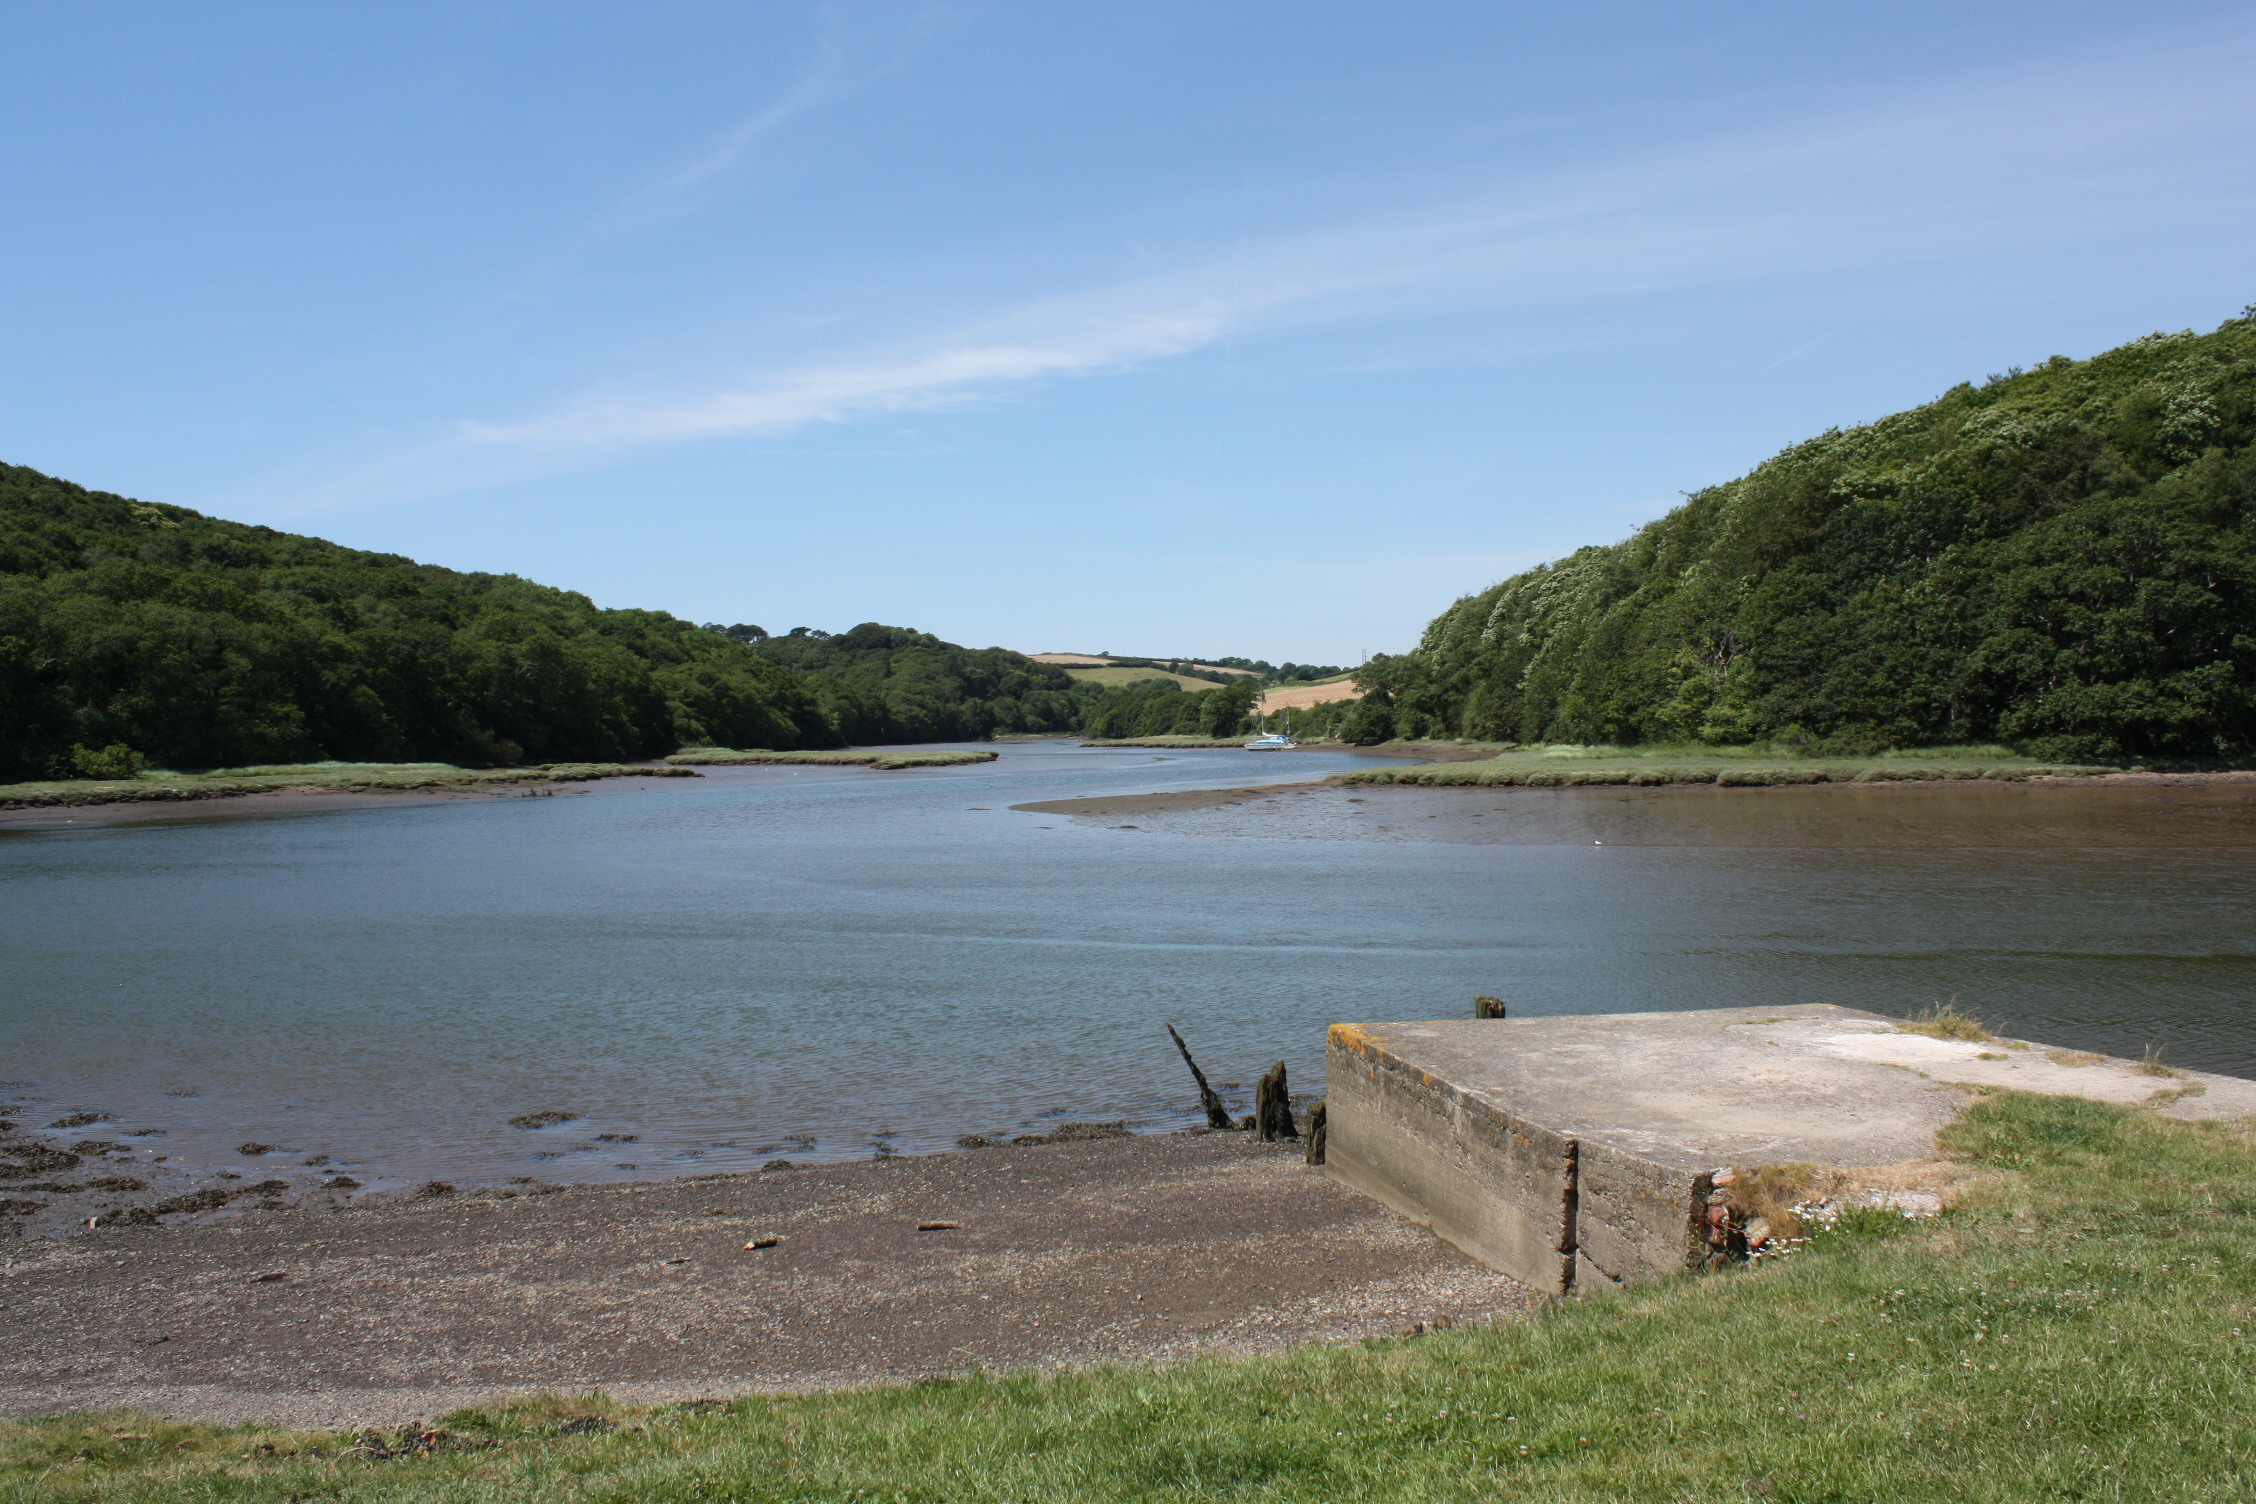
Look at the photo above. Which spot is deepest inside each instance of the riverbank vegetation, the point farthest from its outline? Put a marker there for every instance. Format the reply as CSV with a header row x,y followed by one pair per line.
x,y
2062,558
323,777
2081,1324
1569,766
883,758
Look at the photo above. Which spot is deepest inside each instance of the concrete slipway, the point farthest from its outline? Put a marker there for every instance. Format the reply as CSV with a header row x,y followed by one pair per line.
x,y
1579,1151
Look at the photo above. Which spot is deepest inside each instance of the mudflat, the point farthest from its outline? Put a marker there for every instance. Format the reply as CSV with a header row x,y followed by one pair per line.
x,y
1048,1256
2113,811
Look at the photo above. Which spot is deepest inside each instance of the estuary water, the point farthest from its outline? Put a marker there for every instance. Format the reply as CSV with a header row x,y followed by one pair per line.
x,y
822,963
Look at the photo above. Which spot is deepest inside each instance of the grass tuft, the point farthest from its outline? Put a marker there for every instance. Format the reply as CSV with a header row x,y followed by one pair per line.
x,y
1947,1021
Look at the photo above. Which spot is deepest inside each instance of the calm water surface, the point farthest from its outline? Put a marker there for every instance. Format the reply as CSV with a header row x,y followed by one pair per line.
x,y
821,963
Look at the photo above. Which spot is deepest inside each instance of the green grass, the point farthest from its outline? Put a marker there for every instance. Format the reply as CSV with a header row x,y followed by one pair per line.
x,y
883,758
1116,674
1947,1021
1577,766
333,777
2077,1327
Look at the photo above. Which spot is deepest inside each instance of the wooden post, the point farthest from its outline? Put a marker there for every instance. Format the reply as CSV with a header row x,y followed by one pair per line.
x,y
1316,1131
1485,1006
1217,1116
1272,1107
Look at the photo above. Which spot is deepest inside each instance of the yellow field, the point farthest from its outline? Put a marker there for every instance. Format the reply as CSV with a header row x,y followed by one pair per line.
x,y
1301,696
1118,675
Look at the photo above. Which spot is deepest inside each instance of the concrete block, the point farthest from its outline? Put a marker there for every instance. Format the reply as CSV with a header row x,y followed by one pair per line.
x,y
1574,1149
1498,1186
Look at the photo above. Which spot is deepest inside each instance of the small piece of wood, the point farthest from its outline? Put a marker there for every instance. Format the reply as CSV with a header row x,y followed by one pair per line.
x,y
1316,1116
1217,1115
1272,1107
1485,1006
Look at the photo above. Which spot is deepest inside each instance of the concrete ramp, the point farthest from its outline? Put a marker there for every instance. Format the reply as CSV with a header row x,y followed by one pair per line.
x,y
1574,1151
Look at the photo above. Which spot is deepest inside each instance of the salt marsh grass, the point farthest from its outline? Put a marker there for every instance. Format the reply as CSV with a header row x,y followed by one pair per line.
x,y
882,758
1578,766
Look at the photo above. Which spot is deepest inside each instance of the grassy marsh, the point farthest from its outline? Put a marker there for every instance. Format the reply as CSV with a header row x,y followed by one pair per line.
x,y
326,777
1563,766
2078,1325
885,759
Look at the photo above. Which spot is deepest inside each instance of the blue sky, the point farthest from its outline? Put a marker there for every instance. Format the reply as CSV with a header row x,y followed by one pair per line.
x,y
1259,328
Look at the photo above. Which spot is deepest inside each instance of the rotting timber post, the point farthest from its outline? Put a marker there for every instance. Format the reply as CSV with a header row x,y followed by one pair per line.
x,y
1272,1107
1485,1006
1217,1115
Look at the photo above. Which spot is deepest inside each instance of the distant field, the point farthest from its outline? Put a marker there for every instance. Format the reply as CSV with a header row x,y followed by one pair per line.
x,y
1301,696
1090,660
1113,675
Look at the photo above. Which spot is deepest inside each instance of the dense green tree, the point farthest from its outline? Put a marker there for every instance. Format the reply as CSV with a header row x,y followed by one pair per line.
x,y
194,642
893,684
2064,558
1162,707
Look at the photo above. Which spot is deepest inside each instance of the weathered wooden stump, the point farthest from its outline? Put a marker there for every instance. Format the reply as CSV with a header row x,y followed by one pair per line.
x,y
1217,1115
1316,1131
1485,1006
1272,1107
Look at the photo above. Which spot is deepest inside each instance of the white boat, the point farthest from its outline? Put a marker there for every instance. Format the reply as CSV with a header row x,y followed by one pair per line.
x,y
1275,741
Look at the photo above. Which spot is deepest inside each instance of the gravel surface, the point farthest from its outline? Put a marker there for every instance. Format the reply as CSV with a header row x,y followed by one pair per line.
x,y
1054,1255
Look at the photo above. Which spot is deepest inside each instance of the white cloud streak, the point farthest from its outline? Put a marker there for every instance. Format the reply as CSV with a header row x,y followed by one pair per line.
x,y
1963,168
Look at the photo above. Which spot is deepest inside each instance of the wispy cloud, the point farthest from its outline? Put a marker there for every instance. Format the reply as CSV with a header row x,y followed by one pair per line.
x,y
1966,166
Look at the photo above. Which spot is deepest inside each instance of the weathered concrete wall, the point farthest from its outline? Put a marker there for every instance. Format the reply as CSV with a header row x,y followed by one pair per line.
x,y
1634,1214
1499,1187
1572,1151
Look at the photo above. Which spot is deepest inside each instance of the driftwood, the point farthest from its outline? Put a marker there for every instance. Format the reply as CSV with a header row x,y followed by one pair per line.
x,y
1485,1006
1316,1117
1272,1107
1217,1115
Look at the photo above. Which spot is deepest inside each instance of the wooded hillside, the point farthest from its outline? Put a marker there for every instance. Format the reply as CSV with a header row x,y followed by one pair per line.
x,y
201,643
2062,558
896,684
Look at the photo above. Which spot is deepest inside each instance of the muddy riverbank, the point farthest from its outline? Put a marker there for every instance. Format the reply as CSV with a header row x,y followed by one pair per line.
x,y
1039,1256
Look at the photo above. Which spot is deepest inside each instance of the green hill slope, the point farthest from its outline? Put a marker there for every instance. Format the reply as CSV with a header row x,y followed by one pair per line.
x,y
2063,558
201,643
895,684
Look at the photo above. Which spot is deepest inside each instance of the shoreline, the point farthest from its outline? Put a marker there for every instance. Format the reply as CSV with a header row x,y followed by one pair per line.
x,y
1063,1255
1203,799
374,784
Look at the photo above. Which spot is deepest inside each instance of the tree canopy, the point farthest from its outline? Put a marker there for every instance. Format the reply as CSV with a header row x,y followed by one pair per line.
x,y
202,643
895,684
2062,558
135,633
